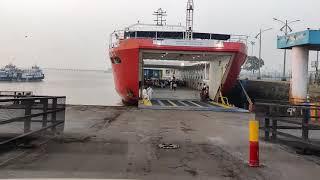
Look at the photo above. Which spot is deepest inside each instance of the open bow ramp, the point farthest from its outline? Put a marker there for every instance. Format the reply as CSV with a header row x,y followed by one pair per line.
x,y
187,105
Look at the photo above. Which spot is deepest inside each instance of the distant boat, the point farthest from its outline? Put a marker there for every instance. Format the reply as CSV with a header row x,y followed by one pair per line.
x,y
11,73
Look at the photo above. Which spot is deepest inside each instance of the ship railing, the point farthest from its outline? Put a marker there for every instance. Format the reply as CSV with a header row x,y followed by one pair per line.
x,y
119,35
16,93
239,38
115,38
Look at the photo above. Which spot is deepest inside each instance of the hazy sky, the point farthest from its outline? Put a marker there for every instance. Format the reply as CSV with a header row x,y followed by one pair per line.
x,y
74,33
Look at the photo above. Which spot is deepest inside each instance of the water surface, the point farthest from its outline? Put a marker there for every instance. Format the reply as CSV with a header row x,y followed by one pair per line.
x,y
80,87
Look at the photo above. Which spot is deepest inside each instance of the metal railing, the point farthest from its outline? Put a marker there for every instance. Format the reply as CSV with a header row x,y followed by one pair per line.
x,y
16,93
249,101
239,38
292,122
117,36
25,116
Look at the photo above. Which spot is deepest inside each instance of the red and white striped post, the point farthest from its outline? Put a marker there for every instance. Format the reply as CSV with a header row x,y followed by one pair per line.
x,y
254,143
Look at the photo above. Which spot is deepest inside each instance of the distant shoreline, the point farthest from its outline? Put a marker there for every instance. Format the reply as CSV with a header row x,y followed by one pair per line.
x,y
82,70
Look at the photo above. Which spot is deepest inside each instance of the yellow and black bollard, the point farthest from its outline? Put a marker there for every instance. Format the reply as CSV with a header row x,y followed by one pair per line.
x,y
254,143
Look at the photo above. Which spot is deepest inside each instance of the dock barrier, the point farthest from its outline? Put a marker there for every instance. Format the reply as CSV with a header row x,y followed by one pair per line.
x,y
24,116
291,124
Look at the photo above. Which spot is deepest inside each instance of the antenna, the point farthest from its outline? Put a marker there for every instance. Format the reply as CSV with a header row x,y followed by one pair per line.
x,y
189,20
160,14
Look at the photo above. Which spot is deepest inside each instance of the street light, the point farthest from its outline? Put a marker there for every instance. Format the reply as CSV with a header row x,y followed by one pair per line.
x,y
260,45
317,68
285,28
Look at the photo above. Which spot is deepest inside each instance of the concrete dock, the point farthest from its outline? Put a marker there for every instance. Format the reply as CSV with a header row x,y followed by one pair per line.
x,y
122,143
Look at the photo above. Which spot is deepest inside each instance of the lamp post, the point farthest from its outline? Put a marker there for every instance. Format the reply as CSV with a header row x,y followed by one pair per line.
x,y
317,68
259,35
285,28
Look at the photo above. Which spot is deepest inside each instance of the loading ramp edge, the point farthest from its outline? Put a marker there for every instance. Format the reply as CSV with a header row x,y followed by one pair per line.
x,y
196,105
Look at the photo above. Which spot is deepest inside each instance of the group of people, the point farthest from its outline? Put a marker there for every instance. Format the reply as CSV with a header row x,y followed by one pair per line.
x,y
147,93
164,83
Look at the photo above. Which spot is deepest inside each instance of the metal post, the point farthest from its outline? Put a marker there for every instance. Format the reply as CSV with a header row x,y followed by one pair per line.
x,y
305,125
54,114
317,68
266,129
45,115
259,63
285,55
205,71
27,112
274,129
189,19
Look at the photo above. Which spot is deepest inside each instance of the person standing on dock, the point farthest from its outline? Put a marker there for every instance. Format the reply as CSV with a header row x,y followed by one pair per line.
x,y
204,94
150,93
174,84
145,94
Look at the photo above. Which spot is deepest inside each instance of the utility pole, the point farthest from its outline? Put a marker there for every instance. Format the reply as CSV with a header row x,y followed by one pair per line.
x,y
285,55
285,29
260,45
259,35
317,68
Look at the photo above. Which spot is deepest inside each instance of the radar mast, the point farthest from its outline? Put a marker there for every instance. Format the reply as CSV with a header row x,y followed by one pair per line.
x,y
189,20
160,14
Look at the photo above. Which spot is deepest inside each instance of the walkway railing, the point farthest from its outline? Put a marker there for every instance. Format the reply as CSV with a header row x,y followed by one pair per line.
x,y
24,116
295,123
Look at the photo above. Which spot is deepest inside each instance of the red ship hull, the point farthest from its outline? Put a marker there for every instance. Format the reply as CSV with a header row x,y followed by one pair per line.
x,y
125,63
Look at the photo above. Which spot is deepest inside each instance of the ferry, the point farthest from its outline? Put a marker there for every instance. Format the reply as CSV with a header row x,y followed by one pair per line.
x,y
12,73
134,47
